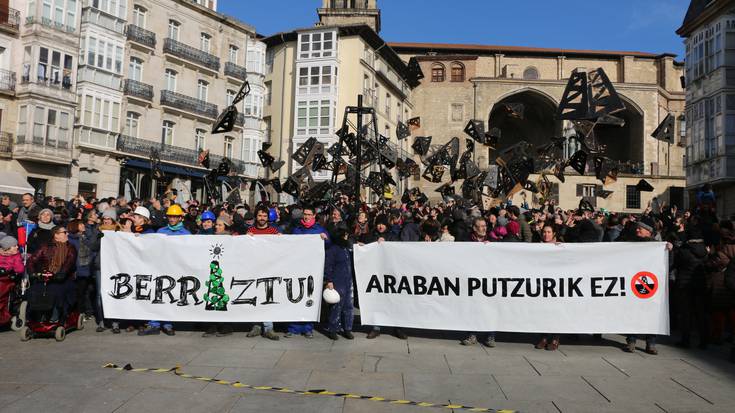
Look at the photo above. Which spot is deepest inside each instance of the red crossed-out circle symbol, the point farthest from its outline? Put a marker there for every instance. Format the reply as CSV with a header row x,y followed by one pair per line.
x,y
644,284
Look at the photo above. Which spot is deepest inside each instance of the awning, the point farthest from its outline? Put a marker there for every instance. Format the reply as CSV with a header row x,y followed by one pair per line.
x,y
166,168
12,182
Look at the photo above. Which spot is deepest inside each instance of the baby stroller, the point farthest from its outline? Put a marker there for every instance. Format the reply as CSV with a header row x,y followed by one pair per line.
x,y
45,300
12,309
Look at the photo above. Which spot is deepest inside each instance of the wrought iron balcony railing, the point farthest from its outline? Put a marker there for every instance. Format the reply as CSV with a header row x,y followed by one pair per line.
x,y
170,153
238,72
6,144
140,35
191,54
65,83
10,19
189,104
7,80
138,89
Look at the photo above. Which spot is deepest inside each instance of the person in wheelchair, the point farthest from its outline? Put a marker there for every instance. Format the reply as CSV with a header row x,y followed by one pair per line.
x,y
52,293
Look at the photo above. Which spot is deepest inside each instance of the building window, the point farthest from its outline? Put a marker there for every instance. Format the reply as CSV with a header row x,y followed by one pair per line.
x,y
531,73
587,191
202,89
51,126
170,77
268,93
136,69
253,105
234,50
167,132
228,146
131,124
230,96
63,127
173,29
38,123
316,45
313,117
270,55
246,149
317,79
457,72
22,121
387,104
399,113
200,139
139,16
437,72
103,54
457,112
632,197
255,60
204,42
101,113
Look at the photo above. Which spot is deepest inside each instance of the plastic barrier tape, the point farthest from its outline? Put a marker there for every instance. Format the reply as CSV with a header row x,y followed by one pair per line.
x,y
177,371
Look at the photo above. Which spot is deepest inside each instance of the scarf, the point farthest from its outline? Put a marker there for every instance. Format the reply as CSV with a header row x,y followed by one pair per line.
x,y
58,258
308,224
49,226
176,227
361,228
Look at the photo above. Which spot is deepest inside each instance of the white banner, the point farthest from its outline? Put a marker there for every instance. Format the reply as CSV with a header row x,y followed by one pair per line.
x,y
212,278
517,287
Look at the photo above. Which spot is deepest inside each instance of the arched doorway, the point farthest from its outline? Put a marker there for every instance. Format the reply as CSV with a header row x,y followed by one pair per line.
x,y
624,143
537,124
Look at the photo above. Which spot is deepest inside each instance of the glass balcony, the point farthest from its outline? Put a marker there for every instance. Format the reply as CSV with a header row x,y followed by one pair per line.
x,y
141,36
188,104
191,54
95,16
138,89
40,149
50,24
233,70
10,20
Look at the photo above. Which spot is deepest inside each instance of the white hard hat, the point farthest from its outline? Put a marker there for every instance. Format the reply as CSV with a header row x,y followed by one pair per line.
x,y
330,296
142,211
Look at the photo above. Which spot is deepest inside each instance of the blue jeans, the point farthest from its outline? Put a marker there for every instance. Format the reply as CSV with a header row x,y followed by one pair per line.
x,y
650,340
300,328
157,324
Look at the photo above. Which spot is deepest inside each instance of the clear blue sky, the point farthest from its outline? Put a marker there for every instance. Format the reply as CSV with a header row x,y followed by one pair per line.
x,y
632,25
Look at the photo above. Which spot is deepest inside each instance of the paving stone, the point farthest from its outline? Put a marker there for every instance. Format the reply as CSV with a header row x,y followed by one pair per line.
x,y
288,378
405,363
70,398
387,385
159,400
311,360
258,402
658,390
10,392
547,388
234,357
475,390
481,363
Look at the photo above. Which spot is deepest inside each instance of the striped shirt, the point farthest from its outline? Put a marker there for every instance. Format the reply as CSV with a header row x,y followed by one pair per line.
x,y
269,230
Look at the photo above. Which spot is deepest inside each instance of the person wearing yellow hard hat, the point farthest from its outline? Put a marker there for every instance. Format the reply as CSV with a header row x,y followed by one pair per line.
x,y
174,216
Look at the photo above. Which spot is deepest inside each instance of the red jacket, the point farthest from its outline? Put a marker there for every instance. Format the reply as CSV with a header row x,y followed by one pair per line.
x,y
12,262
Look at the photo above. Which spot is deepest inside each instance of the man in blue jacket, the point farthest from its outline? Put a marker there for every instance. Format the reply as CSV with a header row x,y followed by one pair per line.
x,y
175,216
306,226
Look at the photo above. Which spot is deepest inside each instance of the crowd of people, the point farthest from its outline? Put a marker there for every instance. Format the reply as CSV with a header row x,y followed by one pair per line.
x,y
62,237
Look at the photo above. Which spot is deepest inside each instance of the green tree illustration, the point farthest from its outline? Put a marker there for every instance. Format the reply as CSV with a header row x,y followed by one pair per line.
x,y
215,297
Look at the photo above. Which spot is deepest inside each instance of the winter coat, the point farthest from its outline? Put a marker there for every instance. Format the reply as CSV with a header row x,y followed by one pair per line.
x,y
40,261
722,298
410,232
12,262
612,233
38,238
689,263
338,266
526,234
168,231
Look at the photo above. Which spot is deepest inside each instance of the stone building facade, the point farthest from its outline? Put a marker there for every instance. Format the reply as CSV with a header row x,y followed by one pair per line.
x,y
464,82
102,83
709,34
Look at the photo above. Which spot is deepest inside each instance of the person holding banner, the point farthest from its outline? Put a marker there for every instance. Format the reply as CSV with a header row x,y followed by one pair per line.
x,y
262,227
479,234
338,276
644,231
306,226
175,216
549,342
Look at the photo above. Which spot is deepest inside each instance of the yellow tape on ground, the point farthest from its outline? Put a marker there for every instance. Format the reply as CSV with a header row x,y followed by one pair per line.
x,y
177,371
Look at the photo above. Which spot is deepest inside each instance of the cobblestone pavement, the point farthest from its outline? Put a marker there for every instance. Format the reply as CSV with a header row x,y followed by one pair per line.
x,y
583,376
